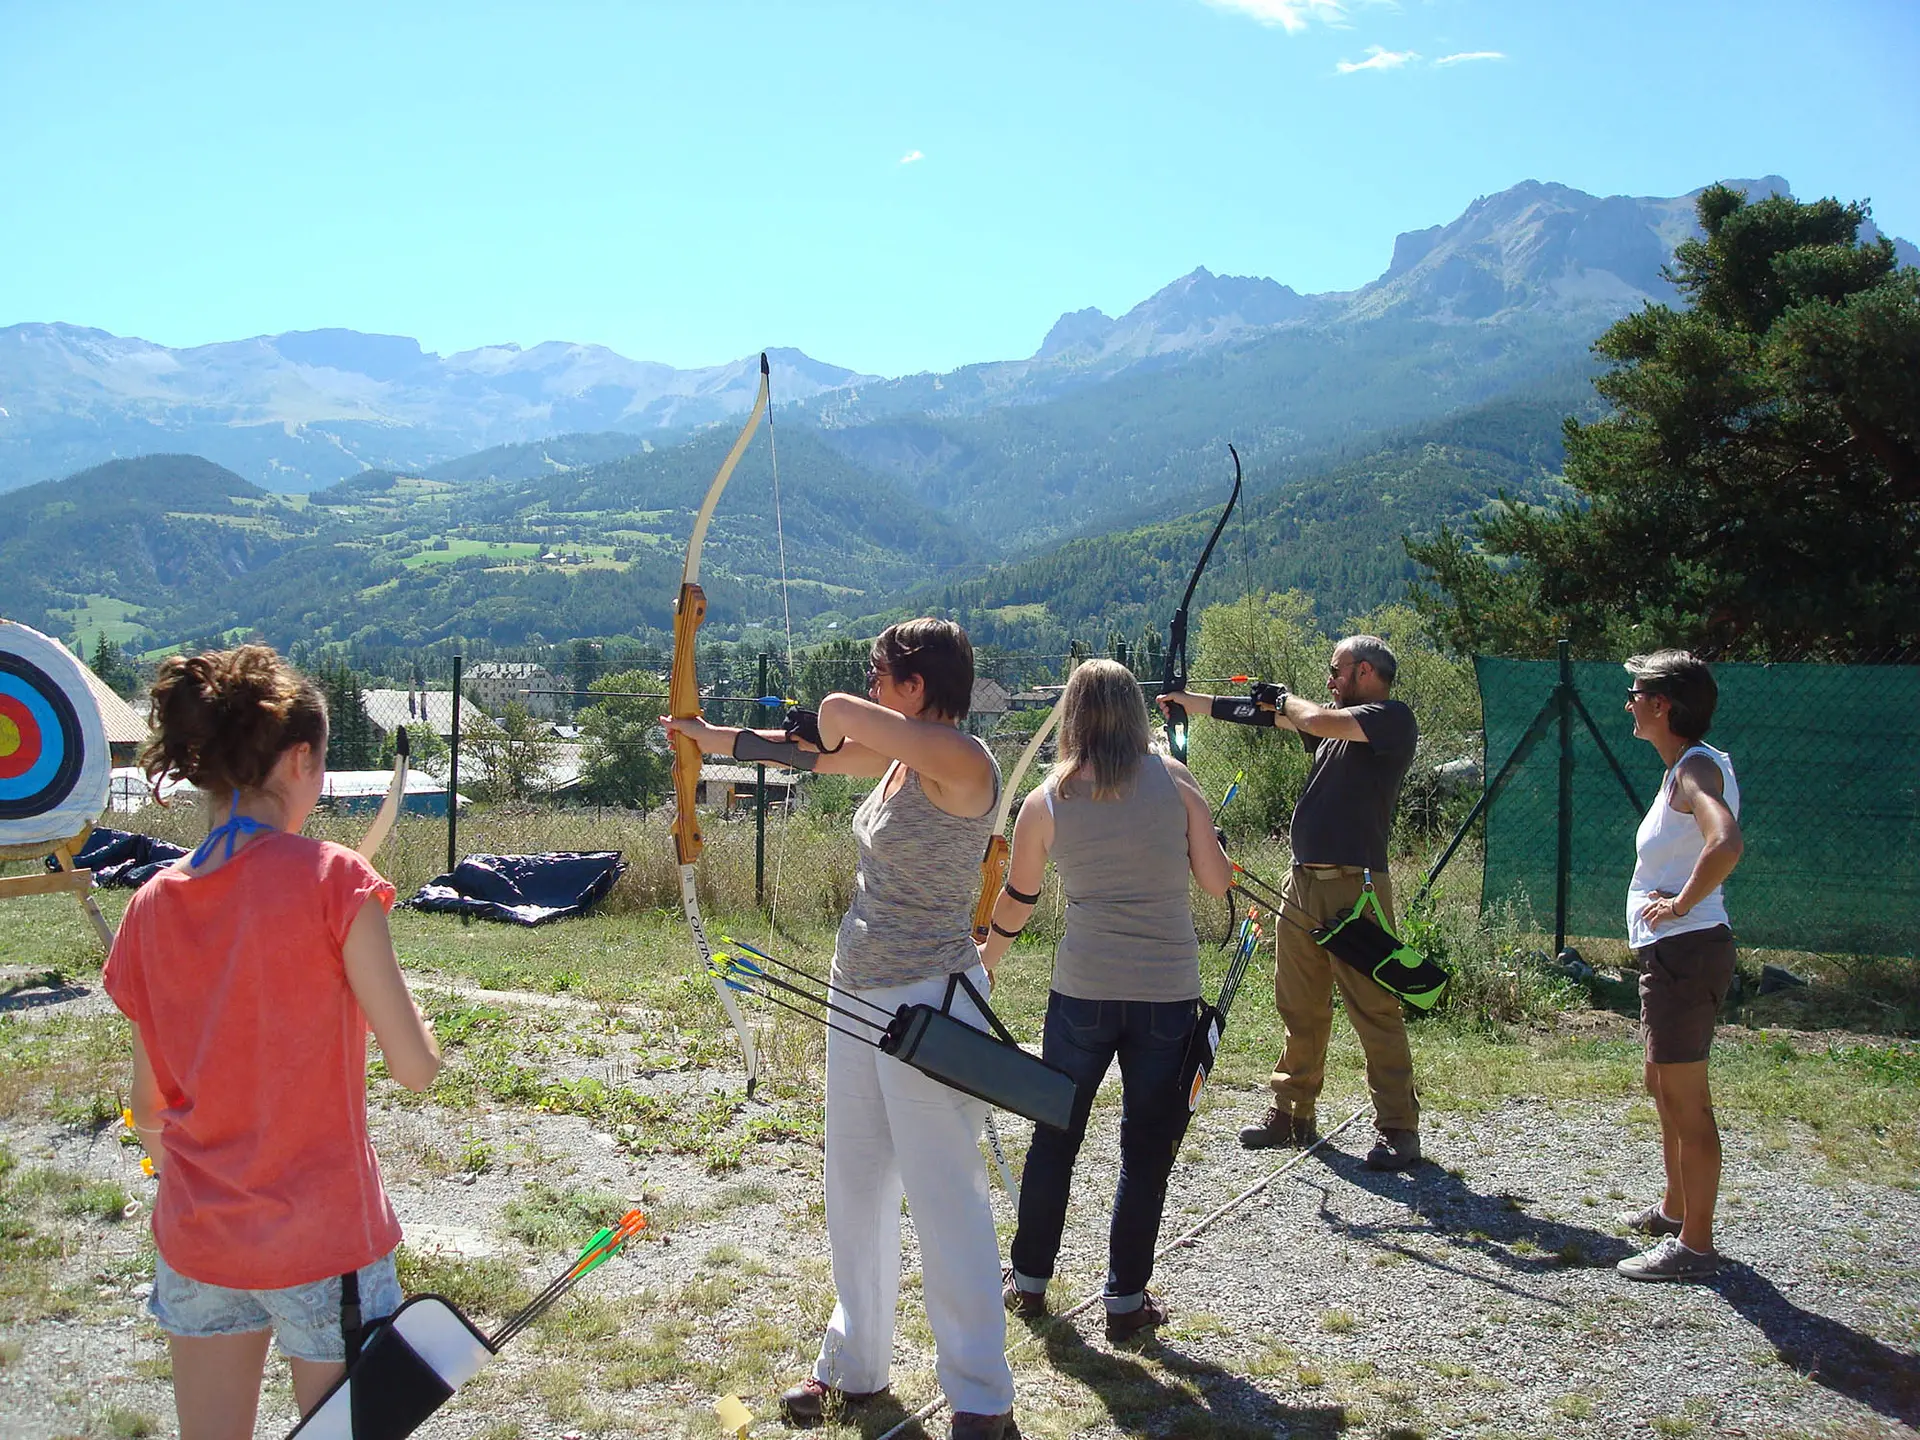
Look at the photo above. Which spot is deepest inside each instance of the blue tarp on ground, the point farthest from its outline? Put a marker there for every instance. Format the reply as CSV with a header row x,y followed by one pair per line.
x,y
523,889
119,858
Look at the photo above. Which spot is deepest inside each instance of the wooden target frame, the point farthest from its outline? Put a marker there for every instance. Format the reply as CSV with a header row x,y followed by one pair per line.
x,y
55,766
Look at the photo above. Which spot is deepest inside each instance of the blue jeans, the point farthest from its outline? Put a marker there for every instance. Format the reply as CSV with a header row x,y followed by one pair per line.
x,y
1082,1037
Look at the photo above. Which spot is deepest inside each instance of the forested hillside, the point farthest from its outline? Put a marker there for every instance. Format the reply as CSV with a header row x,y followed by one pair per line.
x,y
1335,534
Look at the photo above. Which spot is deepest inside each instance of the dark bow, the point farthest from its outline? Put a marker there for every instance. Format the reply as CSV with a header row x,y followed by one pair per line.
x,y
1175,678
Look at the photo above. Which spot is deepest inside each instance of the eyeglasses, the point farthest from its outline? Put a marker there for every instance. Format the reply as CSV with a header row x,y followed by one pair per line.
x,y
874,672
1634,694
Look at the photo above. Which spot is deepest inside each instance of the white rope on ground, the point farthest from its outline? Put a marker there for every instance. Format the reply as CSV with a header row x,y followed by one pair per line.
x,y
1186,1237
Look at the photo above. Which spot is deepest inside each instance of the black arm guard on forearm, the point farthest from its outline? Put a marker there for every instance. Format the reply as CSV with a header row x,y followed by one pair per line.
x,y
1241,710
751,745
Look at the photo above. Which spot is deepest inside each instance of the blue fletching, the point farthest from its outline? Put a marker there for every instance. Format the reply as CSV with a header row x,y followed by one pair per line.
x,y
749,949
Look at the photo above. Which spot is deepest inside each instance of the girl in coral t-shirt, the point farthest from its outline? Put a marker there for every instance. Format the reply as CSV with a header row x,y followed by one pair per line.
x,y
252,971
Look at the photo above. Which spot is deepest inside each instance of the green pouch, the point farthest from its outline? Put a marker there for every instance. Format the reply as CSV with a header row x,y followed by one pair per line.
x,y
1363,941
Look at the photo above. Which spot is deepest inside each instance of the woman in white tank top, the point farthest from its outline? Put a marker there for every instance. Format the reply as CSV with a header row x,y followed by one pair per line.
x,y
1687,845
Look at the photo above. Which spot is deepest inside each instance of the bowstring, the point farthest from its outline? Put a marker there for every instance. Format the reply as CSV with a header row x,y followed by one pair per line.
x,y
792,677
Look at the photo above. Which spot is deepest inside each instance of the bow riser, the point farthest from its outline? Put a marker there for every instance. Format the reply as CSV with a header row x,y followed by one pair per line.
x,y
683,703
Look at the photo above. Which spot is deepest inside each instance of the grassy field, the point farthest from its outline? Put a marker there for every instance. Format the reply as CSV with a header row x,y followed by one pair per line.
x,y
460,549
102,615
1840,1056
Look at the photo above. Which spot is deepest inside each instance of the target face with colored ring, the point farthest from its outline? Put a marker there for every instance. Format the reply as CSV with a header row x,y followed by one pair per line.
x,y
40,742
53,745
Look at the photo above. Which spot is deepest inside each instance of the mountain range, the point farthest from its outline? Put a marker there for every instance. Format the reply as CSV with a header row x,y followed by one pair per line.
x,y
355,490
301,410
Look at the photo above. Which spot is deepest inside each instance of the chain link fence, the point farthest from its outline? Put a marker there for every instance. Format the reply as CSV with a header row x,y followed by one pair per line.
x,y
1828,757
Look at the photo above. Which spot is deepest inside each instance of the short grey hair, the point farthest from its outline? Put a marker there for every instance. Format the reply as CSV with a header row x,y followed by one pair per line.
x,y
1688,684
1375,651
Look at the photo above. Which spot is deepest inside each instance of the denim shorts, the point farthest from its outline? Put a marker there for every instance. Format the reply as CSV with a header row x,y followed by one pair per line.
x,y
305,1319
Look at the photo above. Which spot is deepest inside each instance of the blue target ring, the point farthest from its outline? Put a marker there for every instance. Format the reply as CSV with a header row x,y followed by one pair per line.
x,y
51,726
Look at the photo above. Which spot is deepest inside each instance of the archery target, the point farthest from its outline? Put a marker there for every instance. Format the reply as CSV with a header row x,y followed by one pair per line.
x,y
55,766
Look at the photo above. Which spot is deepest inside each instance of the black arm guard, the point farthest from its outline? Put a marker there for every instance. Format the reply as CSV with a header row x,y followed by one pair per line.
x,y
751,745
1241,710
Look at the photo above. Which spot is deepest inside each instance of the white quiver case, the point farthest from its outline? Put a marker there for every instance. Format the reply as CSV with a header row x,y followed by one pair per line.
x,y
409,1365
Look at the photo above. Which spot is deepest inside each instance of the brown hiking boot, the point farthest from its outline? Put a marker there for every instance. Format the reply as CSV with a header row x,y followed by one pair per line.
x,y
808,1403
1027,1304
1395,1150
1129,1323
1279,1130
969,1426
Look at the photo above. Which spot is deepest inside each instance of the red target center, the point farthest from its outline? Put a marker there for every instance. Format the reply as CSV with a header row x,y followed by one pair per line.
x,y
19,739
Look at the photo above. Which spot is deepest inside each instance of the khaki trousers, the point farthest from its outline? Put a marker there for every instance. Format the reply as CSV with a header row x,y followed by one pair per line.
x,y
1303,979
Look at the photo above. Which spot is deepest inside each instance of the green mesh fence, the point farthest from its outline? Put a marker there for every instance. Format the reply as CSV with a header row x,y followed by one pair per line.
x,y
1828,759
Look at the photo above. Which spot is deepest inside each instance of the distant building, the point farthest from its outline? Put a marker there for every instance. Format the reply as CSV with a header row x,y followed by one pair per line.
x,y
355,790
732,786
126,727
388,710
990,701
1034,699
495,684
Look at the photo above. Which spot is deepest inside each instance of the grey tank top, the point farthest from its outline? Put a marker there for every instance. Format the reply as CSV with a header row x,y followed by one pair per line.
x,y
912,912
1124,866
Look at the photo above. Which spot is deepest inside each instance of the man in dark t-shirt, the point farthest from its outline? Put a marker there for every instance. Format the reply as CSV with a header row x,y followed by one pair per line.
x,y
1361,745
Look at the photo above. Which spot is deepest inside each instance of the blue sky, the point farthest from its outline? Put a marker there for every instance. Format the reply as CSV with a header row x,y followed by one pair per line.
x,y
890,186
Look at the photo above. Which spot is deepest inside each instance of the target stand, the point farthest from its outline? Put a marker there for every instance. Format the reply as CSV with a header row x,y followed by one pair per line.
x,y
55,766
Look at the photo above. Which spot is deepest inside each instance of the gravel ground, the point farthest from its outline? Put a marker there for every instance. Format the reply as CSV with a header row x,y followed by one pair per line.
x,y
1474,1296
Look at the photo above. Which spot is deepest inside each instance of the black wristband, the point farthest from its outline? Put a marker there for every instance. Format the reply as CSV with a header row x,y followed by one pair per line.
x,y
1033,899
1240,709
752,745
1007,934
806,724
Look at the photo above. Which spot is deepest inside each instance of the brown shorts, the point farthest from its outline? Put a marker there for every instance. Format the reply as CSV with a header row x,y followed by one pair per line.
x,y
1683,979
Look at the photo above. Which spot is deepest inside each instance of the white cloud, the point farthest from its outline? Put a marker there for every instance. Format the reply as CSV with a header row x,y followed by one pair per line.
x,y
911,157
1292,16
1378,58
1465,55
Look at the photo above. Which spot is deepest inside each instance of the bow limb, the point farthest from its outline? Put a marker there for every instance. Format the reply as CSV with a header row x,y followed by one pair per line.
x,y
683,703
1175,677
993,874
993,864
382,825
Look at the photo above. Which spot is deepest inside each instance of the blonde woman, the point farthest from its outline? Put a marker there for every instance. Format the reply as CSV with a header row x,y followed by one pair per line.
x,y
1126,828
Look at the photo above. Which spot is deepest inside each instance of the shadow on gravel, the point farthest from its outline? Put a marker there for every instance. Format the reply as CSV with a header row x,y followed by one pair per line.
x,y
1827,1352
1494,1225
33,999
1139,1401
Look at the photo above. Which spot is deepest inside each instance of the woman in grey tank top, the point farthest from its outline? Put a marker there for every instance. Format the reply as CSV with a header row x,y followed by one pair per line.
x,y
890,1129
1126,828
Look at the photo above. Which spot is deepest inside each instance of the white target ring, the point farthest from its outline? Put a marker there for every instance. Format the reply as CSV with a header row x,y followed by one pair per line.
x,y
55,765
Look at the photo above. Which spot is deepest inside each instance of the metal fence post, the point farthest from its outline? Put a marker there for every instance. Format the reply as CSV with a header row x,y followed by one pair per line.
x,y
1563,859
453,778
760,807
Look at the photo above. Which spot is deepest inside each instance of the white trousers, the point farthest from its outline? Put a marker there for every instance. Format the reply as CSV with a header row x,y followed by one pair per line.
x,y
892,1130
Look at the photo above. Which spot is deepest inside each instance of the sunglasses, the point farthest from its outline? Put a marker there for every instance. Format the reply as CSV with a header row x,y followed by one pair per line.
x,y
874,672
1634,694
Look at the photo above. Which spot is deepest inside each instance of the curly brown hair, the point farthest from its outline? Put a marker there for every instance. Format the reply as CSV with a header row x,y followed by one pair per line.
x,y
222,719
